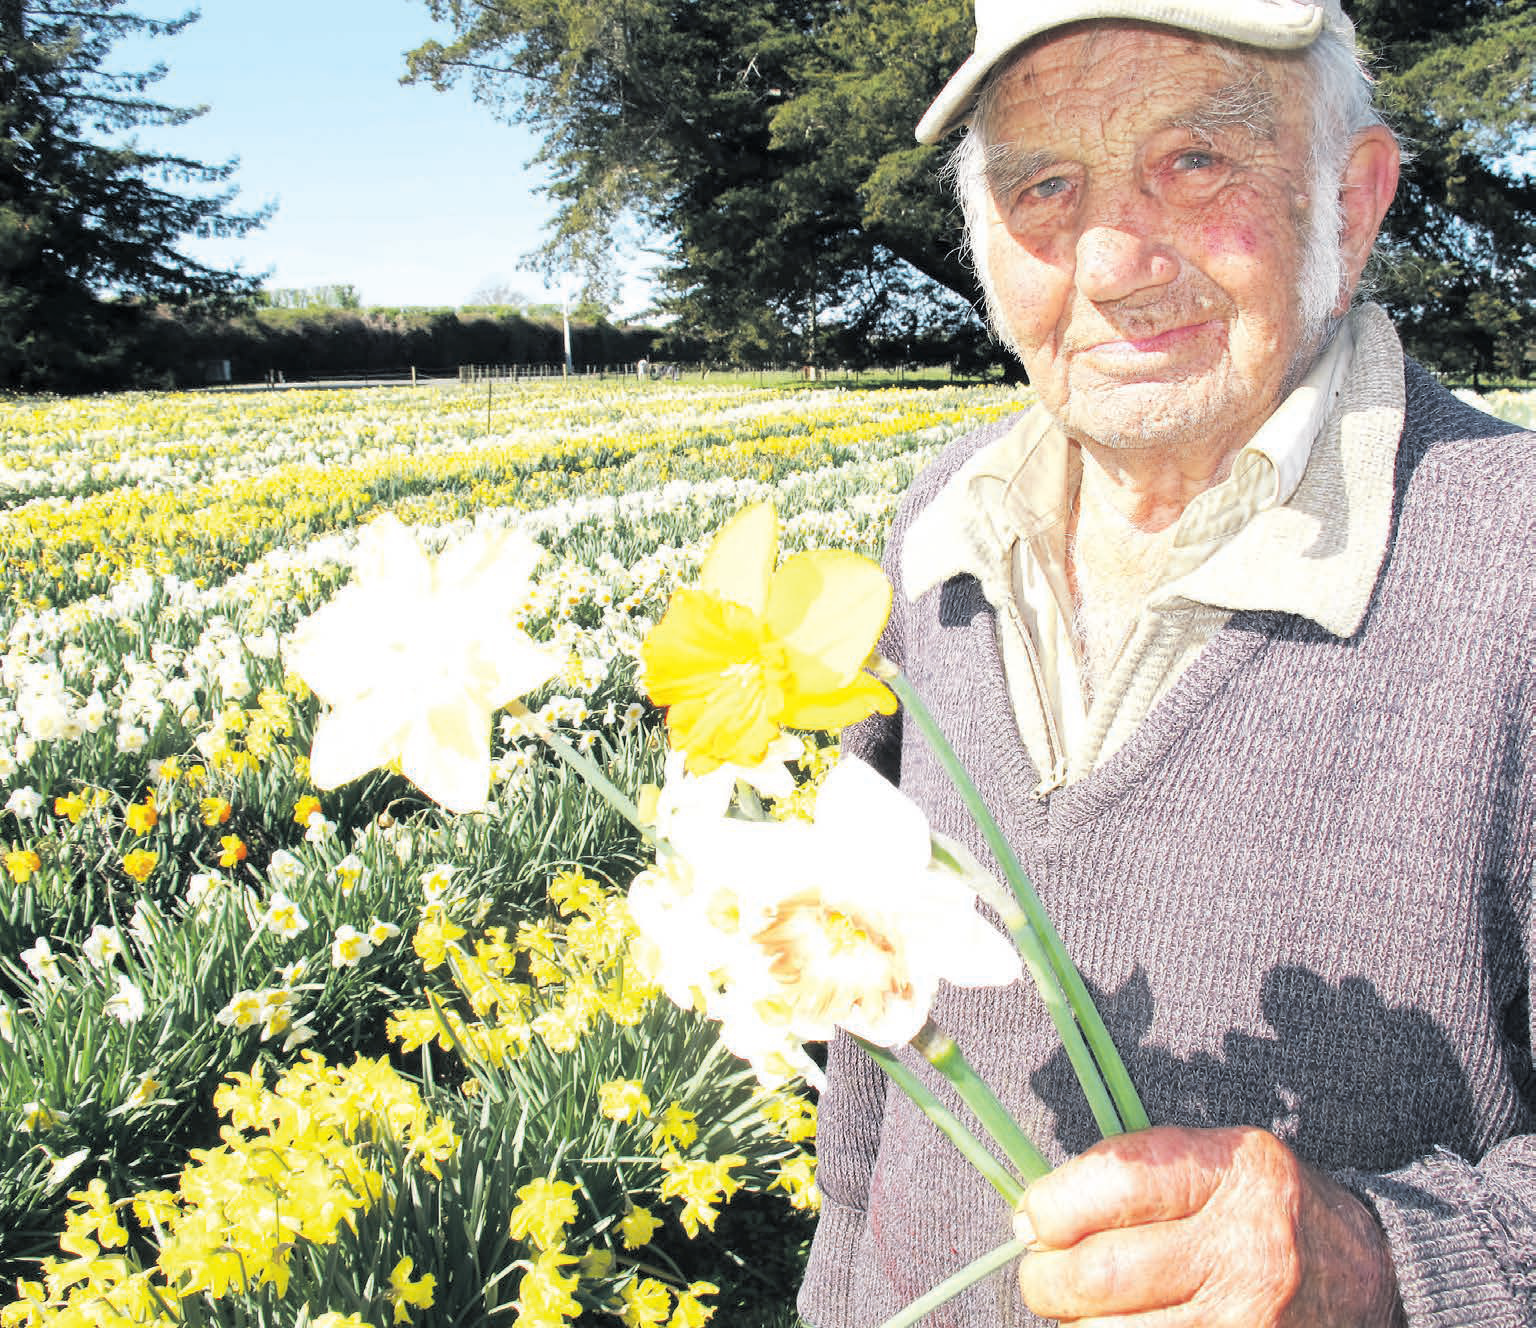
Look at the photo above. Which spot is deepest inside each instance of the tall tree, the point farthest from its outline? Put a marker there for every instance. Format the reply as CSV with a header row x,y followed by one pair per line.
x,y
767,144
1459,247
89,223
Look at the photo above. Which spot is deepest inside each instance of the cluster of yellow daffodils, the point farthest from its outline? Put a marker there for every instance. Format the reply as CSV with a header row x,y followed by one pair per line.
x,y
303,1160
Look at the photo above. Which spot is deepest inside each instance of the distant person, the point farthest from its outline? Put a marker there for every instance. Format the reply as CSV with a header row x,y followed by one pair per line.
x,y
643,369
1236,630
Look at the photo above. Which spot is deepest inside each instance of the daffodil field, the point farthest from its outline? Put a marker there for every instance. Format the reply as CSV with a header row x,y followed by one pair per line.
x,y
272,1055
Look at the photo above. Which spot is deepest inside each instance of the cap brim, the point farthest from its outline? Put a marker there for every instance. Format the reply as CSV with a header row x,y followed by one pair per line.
x,y
1260,23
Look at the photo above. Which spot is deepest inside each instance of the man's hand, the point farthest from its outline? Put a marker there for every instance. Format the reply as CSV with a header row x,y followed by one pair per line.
x,y
1181,1228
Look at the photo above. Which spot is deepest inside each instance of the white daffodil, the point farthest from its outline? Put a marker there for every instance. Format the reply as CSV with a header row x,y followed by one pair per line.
x,y
103,945
784,931
416,654
126,1004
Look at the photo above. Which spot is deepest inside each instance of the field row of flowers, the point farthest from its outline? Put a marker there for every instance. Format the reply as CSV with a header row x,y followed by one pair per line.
x,y
272,1055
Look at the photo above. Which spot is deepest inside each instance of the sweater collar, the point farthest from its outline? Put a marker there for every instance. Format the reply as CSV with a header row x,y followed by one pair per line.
x,y
1314,548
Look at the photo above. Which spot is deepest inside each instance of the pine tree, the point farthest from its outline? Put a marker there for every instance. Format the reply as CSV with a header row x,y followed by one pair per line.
x,y
89,223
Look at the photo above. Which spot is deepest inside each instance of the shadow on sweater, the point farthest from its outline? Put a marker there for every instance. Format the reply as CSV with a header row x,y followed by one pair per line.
x,y
1348,1081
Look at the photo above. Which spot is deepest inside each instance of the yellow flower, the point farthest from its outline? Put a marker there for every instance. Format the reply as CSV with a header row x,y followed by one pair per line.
x,y
232,851
404,1292
333,1319
72,805
702,1185
215,811
432,939
574,891
304,808
675,1126
646,1302
138,863
689,1313
797,1178
544,1210
141,817
21,863
415,656
623,1100
754,649
543,1294
637,1226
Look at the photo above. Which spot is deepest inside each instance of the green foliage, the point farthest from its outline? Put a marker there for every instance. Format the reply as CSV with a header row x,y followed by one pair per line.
x,y
769,144
89,225
1459,246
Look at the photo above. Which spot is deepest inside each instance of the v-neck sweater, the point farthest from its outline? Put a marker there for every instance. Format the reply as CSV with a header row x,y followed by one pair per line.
x,y
1300,894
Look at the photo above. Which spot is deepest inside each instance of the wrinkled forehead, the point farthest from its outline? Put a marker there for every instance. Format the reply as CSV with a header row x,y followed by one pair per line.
x,y
1102,72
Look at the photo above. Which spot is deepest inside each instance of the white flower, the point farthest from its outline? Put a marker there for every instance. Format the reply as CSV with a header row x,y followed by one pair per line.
x,y
103,945
319,829
379,932
283,917
7,1024
284,869
24,803
131,739
347,873
349,947
415,656
42,963
786,930
126,1003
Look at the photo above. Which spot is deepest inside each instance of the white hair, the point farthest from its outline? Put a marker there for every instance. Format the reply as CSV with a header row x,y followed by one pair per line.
x,y
1340,91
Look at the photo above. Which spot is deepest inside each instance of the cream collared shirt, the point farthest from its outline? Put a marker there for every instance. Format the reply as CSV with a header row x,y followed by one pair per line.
x,y
1299,525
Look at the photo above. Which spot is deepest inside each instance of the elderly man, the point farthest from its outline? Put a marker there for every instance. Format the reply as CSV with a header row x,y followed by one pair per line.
x,y
1235,630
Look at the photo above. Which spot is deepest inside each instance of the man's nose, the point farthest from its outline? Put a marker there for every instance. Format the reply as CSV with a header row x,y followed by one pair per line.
x,y
1122,251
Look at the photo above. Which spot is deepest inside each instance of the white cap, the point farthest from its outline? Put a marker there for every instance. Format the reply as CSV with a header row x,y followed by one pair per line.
x,y
1004,25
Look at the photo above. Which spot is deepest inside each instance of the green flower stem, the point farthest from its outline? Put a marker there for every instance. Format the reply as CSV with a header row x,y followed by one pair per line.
x,y
950,1287
1000,1178
590,771
1126,1111
936,1047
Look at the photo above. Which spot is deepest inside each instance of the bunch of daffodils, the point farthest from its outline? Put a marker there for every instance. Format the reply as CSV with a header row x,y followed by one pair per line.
x,y
846,915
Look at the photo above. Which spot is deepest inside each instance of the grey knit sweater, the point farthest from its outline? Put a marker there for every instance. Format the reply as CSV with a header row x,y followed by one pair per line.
x,y
1301,894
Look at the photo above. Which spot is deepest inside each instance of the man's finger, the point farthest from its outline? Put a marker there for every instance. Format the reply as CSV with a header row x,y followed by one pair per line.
x,y
1157,1175
1127,1271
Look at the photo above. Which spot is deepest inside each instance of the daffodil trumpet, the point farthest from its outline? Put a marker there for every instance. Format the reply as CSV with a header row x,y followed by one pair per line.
x,y
1093,1055
950,1287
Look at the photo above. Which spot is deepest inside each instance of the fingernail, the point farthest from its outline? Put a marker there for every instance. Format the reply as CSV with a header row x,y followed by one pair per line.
x,y
1024,1229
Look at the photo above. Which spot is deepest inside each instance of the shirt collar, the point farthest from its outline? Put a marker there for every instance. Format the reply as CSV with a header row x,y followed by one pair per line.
x,y
1311,542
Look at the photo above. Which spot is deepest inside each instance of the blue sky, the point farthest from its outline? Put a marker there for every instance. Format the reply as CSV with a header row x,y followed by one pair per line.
x,y
413,196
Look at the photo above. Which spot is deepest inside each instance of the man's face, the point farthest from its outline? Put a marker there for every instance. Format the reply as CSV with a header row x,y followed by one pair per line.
x,y
1144,235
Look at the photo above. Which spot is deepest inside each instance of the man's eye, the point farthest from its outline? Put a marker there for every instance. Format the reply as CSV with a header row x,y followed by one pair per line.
x,y
1047,188
1196,159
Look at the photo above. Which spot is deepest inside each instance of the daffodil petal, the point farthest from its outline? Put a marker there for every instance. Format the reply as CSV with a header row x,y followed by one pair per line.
x,y
864,695
830,605
354,739
447,755
854,794
739,564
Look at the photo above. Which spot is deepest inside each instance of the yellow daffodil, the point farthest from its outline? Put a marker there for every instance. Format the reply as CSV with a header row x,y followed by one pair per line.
x,y
545,1208
690,1313
21,863
623,1100
756,648
415,655
637,1226
141,817
138,863
405,1293
215,811
646,1302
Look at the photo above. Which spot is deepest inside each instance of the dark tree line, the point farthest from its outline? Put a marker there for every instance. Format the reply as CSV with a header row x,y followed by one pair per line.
x,y
89,224
766,146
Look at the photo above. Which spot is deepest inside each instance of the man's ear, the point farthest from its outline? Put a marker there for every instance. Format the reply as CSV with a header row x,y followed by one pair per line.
x,y
1369,183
